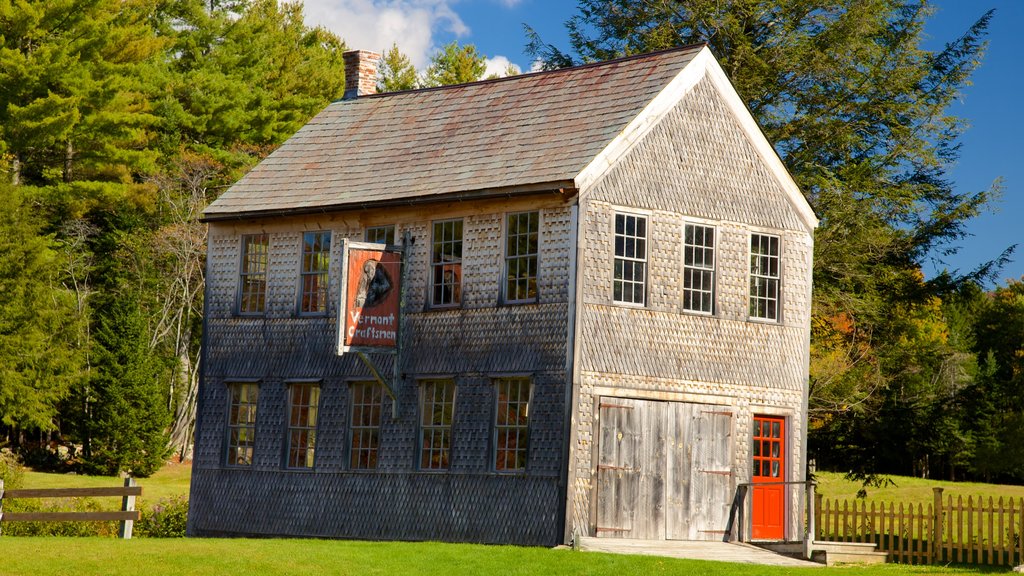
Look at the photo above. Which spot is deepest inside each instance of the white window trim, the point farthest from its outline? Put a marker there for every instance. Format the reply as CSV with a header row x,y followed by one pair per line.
x,y
504,258
301,289
647,216
714,267
778,297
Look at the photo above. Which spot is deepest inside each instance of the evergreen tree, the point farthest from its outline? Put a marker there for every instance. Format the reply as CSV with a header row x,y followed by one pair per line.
x,y
396,72
859,113
38,364
455,64
128,416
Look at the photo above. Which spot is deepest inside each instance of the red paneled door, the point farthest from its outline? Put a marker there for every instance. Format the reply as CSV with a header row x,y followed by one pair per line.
x,y
769,450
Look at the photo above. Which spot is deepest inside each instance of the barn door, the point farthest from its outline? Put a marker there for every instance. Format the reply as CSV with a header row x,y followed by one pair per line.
x,y
699,472
769,459
630,470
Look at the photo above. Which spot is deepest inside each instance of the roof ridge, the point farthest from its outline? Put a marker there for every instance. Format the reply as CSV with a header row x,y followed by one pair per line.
x,y
524,75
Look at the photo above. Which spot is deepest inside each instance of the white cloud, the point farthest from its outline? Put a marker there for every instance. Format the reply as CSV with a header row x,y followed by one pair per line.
x,y
510,3
377,24
498,65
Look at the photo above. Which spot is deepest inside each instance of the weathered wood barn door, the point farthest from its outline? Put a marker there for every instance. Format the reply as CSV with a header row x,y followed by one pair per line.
x,y
664,470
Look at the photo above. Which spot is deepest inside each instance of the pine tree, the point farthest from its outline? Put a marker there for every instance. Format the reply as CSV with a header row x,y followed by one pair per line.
x,y
396,72
455,64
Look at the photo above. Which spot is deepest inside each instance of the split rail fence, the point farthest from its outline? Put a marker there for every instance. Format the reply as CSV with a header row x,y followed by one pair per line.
x,y
127,514
970,531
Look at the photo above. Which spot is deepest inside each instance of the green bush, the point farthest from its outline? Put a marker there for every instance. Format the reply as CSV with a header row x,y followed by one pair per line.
x,y
164,520
11,471
57,528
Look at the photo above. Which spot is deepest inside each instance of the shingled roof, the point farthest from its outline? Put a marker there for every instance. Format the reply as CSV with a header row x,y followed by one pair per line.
x,y
530,132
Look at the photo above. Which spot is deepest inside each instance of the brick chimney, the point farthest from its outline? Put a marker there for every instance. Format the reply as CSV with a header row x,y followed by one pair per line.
x,y
360,73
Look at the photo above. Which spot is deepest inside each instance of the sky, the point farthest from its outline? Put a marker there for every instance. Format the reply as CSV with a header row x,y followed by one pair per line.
x,y
992,148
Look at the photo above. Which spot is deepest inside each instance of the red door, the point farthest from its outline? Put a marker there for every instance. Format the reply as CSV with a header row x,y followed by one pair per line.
x,y
769,449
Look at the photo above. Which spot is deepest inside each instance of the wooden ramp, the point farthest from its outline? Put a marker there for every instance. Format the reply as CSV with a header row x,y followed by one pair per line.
x,y
693,550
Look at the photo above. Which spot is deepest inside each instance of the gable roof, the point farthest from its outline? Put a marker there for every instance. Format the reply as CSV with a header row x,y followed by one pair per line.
x,y
545,131
523,131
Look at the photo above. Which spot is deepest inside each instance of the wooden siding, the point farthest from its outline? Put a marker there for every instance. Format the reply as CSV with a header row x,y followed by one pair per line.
x,y
471,344
695,166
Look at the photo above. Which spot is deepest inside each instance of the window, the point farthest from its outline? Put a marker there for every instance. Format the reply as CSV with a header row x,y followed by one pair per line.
x,y
381,234
316,256
764,276
438,403
446,263
367,400
521,257
699,268
511,424
630,259
303,402
252,280
241,422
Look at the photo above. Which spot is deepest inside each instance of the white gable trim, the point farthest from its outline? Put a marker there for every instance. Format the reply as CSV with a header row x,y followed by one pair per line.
x,y
761,144
703,65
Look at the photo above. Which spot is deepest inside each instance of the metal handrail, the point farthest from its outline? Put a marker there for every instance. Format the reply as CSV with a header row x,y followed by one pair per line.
x,y
738,520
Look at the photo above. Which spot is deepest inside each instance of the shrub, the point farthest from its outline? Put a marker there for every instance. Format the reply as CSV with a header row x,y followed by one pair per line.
x,y
164,520
11,471
57,528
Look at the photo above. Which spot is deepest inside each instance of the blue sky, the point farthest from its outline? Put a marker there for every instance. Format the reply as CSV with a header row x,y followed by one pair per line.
x,y
992,146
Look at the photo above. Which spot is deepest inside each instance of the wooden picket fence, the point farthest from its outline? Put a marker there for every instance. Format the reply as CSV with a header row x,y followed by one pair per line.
x,y
945,531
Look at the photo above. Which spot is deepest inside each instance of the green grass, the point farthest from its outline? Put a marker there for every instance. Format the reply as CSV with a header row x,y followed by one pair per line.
x,y
201,557
909,490
170,481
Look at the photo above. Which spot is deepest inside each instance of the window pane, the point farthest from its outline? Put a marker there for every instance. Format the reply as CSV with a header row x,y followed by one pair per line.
x,y
253,274
511,423
241,422
446,262
367,398
521,257
764,276
304,399
316,252
436,411
698,268
630,259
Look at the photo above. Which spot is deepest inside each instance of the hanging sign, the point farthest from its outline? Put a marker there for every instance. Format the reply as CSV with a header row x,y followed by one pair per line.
x,y
371,299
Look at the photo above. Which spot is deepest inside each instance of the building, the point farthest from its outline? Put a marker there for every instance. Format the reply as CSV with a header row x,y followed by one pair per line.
x,y
606,318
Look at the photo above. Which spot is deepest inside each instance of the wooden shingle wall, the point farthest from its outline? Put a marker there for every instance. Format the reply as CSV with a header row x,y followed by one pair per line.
x,y
695,166
472,344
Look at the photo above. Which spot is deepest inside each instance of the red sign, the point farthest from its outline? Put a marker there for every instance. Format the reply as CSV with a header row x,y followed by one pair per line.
x,y
371,298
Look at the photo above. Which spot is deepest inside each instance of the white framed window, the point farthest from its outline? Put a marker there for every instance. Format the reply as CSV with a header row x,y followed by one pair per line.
x,y
446,263
364,428
511,423
437,407
521,248
303,409
313,274
252,276
242,400
699,268
629,284
764,276
381,234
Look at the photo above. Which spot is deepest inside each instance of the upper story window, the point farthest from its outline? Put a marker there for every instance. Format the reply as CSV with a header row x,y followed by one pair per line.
x,y
316,257
699,268
436,410
630,280
521,241
303,406
367,401
252,277
446,263
511,424
764,276
381,234
242,400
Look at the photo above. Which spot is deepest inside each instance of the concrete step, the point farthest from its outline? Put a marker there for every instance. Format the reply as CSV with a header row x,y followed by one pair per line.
x,y
834,558
832,553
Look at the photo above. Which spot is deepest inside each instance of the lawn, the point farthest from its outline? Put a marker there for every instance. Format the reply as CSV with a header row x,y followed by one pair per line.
x,y
913,490
199,557
170,481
